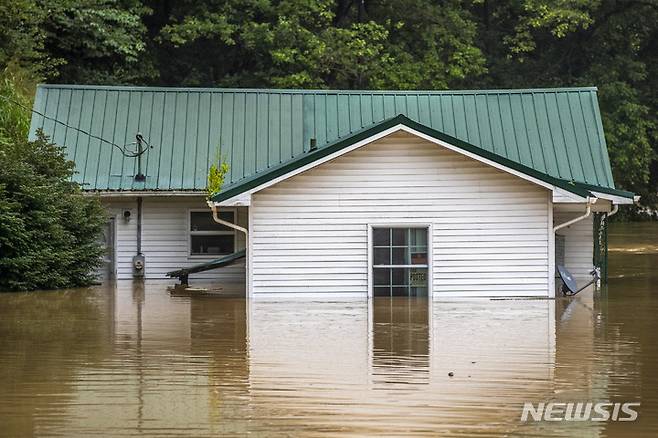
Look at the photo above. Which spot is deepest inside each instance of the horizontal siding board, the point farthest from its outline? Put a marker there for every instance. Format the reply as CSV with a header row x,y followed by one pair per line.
x,y
165,239
309,233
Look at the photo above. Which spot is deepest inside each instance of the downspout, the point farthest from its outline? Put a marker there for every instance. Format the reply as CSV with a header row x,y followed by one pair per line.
x,y
614,211
139,225
139,260
588,212
215,216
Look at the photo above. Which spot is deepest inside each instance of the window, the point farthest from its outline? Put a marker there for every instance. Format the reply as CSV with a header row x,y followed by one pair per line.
x,y
400,262
207,237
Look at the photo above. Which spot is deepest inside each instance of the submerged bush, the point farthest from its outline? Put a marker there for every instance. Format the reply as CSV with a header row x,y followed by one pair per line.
x,y
49,230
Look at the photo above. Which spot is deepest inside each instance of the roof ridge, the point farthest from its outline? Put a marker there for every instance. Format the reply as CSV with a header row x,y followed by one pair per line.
x,y
137,88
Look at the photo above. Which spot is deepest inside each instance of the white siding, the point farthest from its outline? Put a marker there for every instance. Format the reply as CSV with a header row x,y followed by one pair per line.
x,y
490,229
165,238
578,240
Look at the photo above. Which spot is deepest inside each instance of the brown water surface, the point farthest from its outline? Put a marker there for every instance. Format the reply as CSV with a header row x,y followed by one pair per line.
x,y
125,361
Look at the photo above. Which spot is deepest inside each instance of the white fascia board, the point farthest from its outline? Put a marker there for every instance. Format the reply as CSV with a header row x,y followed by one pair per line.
x,y
400,127
241,200
620,200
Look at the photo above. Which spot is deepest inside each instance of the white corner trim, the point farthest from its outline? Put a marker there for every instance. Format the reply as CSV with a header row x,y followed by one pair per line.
x,y
551,250
249,247
243,198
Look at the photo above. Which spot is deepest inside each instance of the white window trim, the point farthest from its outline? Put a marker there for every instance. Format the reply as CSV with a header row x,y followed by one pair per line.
x,y
430,261
190,233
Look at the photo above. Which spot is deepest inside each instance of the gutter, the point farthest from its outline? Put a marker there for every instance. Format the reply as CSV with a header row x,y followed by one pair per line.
x,y
588,212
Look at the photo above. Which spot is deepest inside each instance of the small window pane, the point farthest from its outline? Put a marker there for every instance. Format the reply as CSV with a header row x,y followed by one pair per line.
x,y
418,277
382,291
399,236
399,291
399,277
399,256
417,237
382,256
213,244
382,276
381,236
203,221
418,255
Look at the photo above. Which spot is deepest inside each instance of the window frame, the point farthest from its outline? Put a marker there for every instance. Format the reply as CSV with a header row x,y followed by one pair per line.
x,y
191,233
372,266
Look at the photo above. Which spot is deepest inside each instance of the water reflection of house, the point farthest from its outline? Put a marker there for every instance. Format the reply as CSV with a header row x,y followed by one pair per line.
x,y
311,364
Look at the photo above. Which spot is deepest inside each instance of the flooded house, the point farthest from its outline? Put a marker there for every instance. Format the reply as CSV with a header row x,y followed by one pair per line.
x,y
343,193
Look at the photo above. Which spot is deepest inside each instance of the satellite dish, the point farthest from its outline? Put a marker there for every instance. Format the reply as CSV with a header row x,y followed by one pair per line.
x,y
568,282
569,286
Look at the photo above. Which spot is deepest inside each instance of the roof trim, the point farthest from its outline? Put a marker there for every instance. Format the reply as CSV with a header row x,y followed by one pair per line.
x,y
607,190
259,181
314,91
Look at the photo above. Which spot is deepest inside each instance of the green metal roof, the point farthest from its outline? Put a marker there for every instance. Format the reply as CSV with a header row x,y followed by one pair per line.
x,y
556,132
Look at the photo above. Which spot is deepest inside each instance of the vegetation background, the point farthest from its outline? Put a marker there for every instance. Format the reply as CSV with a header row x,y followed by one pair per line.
x,y
353,44
359,44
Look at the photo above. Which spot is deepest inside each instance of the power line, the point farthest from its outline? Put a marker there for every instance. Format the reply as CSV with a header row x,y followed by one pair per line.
x,y
125,152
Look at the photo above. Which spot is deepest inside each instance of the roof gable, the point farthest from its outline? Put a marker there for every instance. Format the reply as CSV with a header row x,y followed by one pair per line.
x,y
556,132
373,133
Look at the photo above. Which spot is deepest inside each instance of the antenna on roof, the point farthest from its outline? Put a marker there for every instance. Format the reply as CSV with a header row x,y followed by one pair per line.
x,y
140,151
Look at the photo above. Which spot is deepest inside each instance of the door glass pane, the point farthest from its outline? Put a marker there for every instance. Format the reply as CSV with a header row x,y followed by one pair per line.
x,y
381,237
382,256
399,256
382,276
394,250
400,236
399,277
382,291
418,255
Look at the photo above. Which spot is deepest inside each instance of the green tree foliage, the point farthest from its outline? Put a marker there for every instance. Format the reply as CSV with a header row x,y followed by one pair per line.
x,y
367,44
48,229
76,41
216,175
607,43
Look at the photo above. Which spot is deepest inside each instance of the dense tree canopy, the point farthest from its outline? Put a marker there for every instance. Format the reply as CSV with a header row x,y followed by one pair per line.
x,y
406,44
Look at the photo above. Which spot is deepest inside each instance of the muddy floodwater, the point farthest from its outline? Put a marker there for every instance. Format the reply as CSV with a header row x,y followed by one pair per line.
x,y
127,361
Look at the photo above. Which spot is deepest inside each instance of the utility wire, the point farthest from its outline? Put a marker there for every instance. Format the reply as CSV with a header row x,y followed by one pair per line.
x,y
125,152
